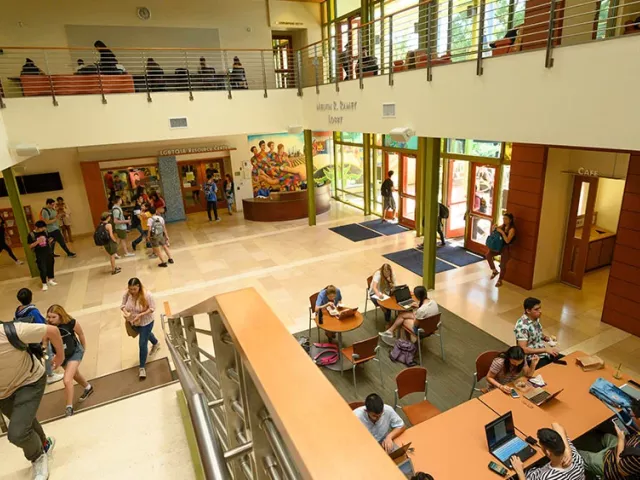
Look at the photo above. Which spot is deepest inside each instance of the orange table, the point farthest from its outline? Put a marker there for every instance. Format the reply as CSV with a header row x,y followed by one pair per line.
x,y
391,304
335,325
453,445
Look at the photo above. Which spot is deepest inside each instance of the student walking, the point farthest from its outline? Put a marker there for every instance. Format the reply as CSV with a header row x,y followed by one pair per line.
x,y
388,202
229,189
49,215
74,346
64,213
105,237
499,243
41,244
211,192
4,242
136,222
120,224
137,307
22,384
27,312
158,237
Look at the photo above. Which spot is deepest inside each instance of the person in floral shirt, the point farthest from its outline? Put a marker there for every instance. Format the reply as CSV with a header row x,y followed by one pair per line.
x,y
530,336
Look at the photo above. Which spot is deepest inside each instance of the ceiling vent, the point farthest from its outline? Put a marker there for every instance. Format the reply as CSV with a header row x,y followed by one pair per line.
x,y
388,110
178,122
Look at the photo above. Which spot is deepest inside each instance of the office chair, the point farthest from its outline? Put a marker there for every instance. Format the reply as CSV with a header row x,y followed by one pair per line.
x,y
427,327
361,352
312,306
483,363
354,405
367,299
414,380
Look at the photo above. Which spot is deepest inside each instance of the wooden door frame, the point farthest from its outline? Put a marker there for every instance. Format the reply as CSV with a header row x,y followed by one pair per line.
x,y
200,169
470,244
290,78
449,183
402,177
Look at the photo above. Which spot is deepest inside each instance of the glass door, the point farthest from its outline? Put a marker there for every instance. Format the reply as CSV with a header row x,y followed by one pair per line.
x,y
458,188
215,168
191,181
481,208
392,163
407,191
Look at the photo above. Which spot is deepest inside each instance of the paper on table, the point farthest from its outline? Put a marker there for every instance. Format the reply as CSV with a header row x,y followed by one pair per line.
x,y
382,297
537,381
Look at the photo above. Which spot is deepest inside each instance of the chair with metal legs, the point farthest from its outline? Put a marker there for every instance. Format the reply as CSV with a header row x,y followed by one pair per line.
x,y
361,352
367,299
312,307
483,364
414,380
427,327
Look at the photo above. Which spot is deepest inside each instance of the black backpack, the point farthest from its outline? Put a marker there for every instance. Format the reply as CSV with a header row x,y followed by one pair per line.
x,y
443,211
385,188
101,237
69,340
33,349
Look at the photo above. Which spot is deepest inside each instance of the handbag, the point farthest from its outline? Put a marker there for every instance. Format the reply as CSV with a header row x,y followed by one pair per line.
x,y
132,332
495,242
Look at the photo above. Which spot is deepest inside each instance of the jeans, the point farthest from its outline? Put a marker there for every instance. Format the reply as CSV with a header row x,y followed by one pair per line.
x,y
24,430
212,205
546,360
145,335
142,236
58,238
4,246
594,461
45,264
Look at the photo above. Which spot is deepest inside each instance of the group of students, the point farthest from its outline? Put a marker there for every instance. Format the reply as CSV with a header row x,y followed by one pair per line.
x,y
33,346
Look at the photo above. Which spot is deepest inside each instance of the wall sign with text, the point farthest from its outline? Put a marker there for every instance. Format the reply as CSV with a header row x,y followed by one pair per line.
x,y
335,110
183,151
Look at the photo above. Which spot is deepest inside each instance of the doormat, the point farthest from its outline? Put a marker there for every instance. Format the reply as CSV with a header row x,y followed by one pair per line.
x,y
385,228
355,232
412,259
459,256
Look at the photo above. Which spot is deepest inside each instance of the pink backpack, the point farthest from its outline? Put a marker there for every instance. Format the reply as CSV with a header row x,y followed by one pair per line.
x,y
327,354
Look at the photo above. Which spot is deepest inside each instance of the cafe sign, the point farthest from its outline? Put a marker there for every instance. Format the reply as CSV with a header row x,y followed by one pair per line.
x,y
187,150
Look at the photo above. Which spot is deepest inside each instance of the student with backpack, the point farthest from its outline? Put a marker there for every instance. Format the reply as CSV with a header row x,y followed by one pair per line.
x,y
388,202
158,237
22,385
51,218
499,243
104,237
443,215
27,312
40,242
73,346
211,192
120,224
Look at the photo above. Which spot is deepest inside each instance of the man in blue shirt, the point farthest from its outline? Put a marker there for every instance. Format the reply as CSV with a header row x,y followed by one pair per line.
x,y
211,192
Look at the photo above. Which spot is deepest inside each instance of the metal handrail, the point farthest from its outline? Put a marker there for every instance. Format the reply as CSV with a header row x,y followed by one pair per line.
x,y
211,454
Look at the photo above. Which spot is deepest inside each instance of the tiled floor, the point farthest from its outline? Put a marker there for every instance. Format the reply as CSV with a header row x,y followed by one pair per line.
x,y
287,262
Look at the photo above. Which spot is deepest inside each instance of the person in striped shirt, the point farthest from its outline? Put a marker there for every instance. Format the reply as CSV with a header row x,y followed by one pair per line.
x,y
565,463
620,458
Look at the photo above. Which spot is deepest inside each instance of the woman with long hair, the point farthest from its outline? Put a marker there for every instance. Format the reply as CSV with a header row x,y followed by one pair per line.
x,y
424,307
508,232
509,366
137,307
382,284
75,345
158,202
229,192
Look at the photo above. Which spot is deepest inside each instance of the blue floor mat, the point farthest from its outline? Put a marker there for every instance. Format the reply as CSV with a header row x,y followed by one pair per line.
x,y
384,228
411,259
355,232
457,255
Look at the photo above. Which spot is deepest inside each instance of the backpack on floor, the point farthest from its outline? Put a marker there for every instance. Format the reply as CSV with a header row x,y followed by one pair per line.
x,y
304,343
404,352
101,237
327,354
33,349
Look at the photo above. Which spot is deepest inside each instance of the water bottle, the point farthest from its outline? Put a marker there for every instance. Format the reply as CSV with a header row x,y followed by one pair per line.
x,y
320,321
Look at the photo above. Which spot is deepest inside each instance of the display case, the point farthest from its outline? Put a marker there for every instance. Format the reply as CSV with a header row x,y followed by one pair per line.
x,y
11,229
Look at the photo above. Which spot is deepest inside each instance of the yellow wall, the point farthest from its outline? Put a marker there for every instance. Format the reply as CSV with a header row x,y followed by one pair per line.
x,y
609,203
5,156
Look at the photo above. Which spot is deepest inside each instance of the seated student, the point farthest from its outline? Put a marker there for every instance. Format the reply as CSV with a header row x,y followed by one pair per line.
x,y
424,307
620,457
329,296
508,366
382,284
381,420
565,463
263,191
529,335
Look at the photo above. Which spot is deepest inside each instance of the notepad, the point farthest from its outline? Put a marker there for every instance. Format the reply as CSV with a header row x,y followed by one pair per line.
x,y
538,381
381,298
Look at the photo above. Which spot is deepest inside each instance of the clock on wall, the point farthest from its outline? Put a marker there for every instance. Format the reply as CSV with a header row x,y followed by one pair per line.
x,y
144,13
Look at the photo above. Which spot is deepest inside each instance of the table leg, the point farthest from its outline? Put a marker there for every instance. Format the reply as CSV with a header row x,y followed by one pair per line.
x,y
340,359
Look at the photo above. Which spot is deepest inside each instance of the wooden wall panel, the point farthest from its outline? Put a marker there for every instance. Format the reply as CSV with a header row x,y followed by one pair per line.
x,y
95,189
622,300
526,185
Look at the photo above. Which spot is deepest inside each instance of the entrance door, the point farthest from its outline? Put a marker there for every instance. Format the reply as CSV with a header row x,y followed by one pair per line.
x,y
193,176
407,191
347,46
576,244
458,188
482,207
283,61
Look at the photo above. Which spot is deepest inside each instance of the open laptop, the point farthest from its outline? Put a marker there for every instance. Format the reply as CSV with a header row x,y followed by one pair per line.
x,y
402,295
503,442
402,460
346,313
538,396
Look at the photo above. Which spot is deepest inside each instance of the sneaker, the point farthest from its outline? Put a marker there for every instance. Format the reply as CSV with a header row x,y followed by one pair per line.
x,y
116,256
68,412
386,334
52,282
116,271
54,377
163,264
44,287
86,394
218,220
55,255
133,246
19,262
72,255
154,349
153,255
41,468
142,374
129,254
49,445
171,261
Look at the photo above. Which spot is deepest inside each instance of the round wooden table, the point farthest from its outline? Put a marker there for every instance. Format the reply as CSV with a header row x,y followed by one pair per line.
x,y
335,325
391,304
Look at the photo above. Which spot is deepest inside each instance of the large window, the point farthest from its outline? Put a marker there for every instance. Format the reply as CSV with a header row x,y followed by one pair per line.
x,y
477,148
349,168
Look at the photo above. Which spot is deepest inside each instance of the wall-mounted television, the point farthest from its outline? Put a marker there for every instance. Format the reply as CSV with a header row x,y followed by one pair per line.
x,y
37,183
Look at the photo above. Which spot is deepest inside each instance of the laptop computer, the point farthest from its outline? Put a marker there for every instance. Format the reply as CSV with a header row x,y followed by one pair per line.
x,y
402,295
503,442
538,396
402,460
346,313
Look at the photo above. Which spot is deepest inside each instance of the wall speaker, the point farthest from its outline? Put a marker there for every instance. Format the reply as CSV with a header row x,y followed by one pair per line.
x,y
295,129
402,134
27,150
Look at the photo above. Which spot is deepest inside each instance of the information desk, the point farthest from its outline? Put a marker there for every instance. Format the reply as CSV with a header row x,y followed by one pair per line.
x,y
281,206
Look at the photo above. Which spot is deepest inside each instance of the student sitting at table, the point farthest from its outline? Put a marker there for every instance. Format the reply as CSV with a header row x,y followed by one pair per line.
x,y
329,297
381,420
509,366
424,307
565,463
529,335
382,284
620,457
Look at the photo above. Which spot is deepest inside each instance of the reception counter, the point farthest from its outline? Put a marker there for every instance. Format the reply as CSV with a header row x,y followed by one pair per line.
x,y
281,206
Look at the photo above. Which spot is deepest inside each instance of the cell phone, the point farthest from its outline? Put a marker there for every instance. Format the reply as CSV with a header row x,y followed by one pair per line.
x,y
618,423
560,361
514,393
500,470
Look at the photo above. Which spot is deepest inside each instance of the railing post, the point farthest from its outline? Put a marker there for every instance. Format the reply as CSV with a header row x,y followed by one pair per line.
x,y
315,67
479,69
391,51
53,91
186,66
360,57
429,22
104,99
337,67
264,74
299,73
225,62
146,80
2,105
548,61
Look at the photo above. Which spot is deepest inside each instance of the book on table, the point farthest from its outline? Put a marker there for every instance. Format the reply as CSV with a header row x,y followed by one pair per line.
x,y
590,363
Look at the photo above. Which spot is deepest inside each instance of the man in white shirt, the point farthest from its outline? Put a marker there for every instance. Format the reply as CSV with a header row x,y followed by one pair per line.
x,y
22,384
381,420
158,237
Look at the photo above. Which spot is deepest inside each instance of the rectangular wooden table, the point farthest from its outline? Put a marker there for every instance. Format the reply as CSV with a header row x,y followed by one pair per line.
x,y
453,445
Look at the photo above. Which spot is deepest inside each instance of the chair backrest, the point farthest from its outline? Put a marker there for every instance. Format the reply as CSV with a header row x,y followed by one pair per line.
x,y
429,324
313,299
411,380
355,405
483,363
366,348
369,280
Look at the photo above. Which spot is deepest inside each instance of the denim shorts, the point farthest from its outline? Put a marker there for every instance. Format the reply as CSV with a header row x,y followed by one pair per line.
x,y
76,356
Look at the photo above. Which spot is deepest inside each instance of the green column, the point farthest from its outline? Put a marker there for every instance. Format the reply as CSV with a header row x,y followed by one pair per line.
x,y
420,164
311,184
20,218
431,149
366,172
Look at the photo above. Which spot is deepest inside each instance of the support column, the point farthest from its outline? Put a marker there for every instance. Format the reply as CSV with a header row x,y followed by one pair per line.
x,y
367,172
430,157
20,218
311,184
420,189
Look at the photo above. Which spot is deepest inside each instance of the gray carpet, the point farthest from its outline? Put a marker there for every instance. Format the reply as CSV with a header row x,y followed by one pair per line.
x,y
449,382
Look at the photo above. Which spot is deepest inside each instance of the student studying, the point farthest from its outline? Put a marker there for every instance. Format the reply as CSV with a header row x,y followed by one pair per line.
x,y
381,420
508,367
529,335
